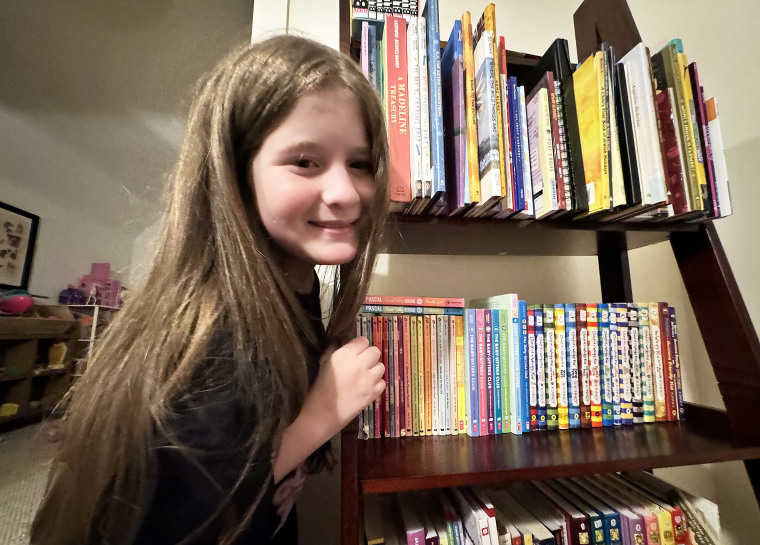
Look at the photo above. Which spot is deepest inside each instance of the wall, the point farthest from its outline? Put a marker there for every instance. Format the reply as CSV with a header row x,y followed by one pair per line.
x,y
721,36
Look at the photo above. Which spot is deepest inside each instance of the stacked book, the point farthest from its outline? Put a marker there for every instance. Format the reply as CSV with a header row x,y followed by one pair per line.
x,y
624,136
500,365
613,509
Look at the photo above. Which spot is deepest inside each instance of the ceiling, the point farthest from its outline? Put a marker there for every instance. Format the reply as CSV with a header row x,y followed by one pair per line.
x,y
94,96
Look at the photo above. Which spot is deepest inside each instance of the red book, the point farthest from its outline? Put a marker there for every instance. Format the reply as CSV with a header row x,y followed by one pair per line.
x,y
387,378
671,407
581,326
482,390
377,340
671,154
397,112
406,336
410,301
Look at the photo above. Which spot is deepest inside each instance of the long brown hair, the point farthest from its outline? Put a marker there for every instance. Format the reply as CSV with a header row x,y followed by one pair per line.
x,y
215,267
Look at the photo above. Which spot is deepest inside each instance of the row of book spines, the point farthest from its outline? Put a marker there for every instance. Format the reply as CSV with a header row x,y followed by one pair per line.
x,y
607,509
377,10
523,369
409,301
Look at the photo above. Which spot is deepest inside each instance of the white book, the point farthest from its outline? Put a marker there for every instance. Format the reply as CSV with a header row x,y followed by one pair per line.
x,y
639,79
718,156
415,140
529,211
424,97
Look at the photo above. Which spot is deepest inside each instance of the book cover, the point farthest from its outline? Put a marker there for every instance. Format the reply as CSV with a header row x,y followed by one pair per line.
x,y
405,327
594,372
398,349
452,416
434,364
573,368
392,376
482,376
428,375
527,185
617,186
552,410
425,127
455,122
700,125
515,135
489,371
632,525
581,325
387,360
508,203
605,363
576,522
624,359
634,351
473,165
538,313
507,378
564,162
557,194
560,354
610,518
664,517
421,373
524,387
397,115
415,119
648,511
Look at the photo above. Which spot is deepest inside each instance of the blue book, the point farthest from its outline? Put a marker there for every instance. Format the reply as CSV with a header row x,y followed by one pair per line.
x,y
472,412
498,411
615,365
438,201
610,518
516,344
516,142
573,378
488,339
538,314
605,363
524,368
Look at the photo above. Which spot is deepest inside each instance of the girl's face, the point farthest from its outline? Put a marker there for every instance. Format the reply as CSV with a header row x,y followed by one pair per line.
x,y
313,179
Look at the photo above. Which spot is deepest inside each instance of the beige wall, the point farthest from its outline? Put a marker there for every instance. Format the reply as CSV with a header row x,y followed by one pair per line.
x,y
722,37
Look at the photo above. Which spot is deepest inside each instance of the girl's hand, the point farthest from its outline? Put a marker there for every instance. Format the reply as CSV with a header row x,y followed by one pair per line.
x,y
350,378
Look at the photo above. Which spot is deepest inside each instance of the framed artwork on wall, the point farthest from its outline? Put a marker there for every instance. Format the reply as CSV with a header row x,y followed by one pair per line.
x,y
18,234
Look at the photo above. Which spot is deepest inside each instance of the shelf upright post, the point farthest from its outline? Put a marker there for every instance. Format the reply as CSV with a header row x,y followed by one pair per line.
x,y
614,272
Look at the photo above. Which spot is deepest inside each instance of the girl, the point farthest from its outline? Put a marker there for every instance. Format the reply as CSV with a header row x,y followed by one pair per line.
x,y
207,396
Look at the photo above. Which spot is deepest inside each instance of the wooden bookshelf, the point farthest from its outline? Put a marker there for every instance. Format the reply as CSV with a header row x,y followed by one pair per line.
x,y
705,436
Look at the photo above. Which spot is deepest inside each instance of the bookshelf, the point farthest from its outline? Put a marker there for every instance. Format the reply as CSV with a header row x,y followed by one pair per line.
x,y
705,436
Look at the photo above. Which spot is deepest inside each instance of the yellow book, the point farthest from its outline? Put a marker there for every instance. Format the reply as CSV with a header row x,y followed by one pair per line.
x,y
617,186
490,26
701,195
470,109
658,366
586,80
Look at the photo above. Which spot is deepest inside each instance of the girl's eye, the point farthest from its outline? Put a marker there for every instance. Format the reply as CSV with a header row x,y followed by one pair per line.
x,y
304,163
364,166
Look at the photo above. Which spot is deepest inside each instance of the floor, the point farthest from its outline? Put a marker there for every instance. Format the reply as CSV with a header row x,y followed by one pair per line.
x,y
25,457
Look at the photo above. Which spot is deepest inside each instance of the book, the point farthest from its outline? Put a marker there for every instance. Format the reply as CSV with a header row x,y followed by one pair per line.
x,y
482,376
673,160
647,378
425,126
413,528
676,363
658,363
560,355
428,373
718,156
634,351
453,420
552,409
624,359
415,112
397,309
421,374
595,381
455,302
472,404
460,373
605,363
532,372
397,115
473,164
701,128
581,321
416,365
405,329
671,407
615,357
523,519
542,164
519,188
610,518
489,371
434,367
632,524
525,384
496,369
576,522
508,202
573,368
538,313
373,521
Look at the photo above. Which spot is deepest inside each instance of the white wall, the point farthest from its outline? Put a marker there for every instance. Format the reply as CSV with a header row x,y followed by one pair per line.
x,y
722,37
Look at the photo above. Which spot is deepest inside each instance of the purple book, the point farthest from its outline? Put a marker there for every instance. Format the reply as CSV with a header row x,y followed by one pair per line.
x,y
676,363
699,106
454,123
489,372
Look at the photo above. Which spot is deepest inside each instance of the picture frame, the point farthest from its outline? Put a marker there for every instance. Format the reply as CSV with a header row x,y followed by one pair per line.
x,y
18,237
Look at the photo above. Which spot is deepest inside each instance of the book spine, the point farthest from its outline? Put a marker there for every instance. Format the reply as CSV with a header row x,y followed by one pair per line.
x,y
634,342
506,129
434,363
505,321
470,107
538,313
516,368
471,377
436,108
392,300
527,178
414,371
364,55
615,365
461,416
379,403
415,113
443,367
701,129
658,370
424,99
551,194
595,376
645,355
495,334
561,365
676,364
672,160
453,421
393,377
500,100
454,123
718,156
525,387
554,133
488,342
398,349
626,392
428,376
581,321
573,374
482,376
388,378
397,100
588,111
539,187
532,374
671,406
605,364
421,373
515,135
564,166
552,412
408,396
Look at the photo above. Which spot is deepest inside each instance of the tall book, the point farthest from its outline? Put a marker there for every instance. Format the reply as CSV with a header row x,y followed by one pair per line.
x,y
542,163
645,356
718,156
532,374
397,114
473,165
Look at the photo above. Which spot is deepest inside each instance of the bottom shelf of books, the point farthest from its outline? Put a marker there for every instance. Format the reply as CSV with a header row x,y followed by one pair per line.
x,y
415,463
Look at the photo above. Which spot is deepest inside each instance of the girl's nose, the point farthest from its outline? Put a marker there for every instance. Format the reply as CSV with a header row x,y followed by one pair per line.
x,y
340,187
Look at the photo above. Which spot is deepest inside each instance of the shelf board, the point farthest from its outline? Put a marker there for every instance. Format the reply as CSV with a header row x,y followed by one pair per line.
x,y
49,372
9,378
430,235
413,463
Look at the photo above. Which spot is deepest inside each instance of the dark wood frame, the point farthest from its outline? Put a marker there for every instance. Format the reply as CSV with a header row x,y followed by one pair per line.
x,y
705,436
32,240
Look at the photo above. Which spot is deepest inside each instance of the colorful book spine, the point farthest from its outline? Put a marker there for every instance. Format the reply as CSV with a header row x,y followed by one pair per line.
x,y
676,364
461,371
470,109
704,135
595,375
505,324
645,355
634,342
438,198
552,410
496,357
414,370
453,366
428,376
472,404
387,360
489,367
395,309
509,199
560,362
525,386
581,321
615,365
658,369
434,363
515,135
573,374
415,113
532,375
398,348
605,363
671,407
624,378
421,373
441,366
394,374
516,370
404,301
527,177
424,99
482,377
538,313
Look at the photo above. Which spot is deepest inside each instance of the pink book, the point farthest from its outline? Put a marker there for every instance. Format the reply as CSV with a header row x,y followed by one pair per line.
x,y
482,391
411,301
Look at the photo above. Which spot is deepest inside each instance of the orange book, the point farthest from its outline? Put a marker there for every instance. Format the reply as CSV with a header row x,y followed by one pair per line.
x,y
470,109
427,366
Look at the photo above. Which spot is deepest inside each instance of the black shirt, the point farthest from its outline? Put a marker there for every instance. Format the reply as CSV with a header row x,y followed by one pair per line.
x,y
216,424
